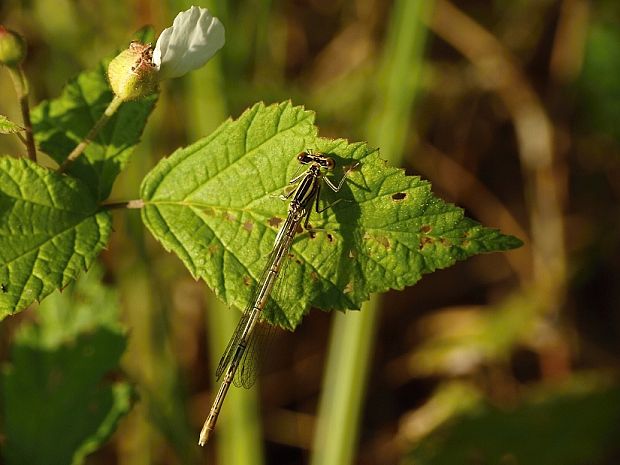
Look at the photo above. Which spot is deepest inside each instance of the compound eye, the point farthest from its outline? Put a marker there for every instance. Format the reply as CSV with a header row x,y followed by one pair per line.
x,y
303,157
329,163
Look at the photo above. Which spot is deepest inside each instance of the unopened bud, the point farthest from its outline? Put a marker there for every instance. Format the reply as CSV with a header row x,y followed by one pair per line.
x,y
132,74
12,47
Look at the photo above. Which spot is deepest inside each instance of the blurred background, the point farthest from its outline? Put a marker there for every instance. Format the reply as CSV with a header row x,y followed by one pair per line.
x,y
509,108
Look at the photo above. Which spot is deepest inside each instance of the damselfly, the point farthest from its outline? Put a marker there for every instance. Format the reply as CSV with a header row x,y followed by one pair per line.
x,y
300,207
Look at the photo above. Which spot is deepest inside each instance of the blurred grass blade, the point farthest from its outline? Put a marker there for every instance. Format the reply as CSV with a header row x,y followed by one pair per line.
x,y
239,433
352,337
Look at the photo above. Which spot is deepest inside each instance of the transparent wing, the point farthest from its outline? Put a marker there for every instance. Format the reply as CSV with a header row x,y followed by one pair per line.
x,y
254,355
277,255
231,348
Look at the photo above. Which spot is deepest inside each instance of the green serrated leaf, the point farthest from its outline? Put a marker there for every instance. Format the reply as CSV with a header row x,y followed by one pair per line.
x,y
53,391
51,229
62,123
9,127
215,204
55,398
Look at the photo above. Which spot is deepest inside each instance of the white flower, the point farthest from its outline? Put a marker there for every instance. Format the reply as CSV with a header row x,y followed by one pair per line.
x,y
195,36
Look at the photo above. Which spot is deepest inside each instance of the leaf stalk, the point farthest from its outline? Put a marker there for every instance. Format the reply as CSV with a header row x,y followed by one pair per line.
x,y
131,204
79,149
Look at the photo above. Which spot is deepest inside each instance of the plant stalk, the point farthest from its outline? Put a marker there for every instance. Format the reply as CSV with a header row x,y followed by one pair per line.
x,y
79,149
136,203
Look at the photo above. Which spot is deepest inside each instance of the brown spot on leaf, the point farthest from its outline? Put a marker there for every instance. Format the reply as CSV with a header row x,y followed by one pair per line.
x,y
274,221
425,240
247,281
426,228
248,226
384,241
229,217
213,249
330,238
399,196
312,234
314,276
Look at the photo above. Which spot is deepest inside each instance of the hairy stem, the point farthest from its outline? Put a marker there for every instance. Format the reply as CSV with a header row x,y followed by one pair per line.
x,y
136,203
79,149
20,82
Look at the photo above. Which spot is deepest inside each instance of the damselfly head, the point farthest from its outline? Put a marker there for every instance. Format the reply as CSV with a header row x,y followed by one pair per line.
x,y
320,159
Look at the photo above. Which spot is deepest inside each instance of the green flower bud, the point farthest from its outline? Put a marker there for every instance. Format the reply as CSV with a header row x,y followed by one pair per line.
x,y
132,74
12,47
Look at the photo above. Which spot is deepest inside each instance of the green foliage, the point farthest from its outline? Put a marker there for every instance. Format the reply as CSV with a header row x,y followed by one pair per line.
x,y
9,127
559,428
466,338
50,230
56,406
600,79
215,205
62,123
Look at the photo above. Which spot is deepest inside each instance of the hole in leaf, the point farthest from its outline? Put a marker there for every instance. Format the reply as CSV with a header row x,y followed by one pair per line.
x,y
330,238
4,288
399,196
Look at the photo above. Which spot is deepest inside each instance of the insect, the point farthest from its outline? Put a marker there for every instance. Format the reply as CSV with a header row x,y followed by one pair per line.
x,y
307,191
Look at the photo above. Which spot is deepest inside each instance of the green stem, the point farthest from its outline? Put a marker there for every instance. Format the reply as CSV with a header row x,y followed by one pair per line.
x,y
350,349
79,149
20,82
352,339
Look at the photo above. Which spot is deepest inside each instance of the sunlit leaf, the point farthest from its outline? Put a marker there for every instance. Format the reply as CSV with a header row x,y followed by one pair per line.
x,y
215,204
51,229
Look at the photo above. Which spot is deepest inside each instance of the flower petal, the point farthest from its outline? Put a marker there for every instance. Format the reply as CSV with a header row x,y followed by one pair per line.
x,y
195,36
